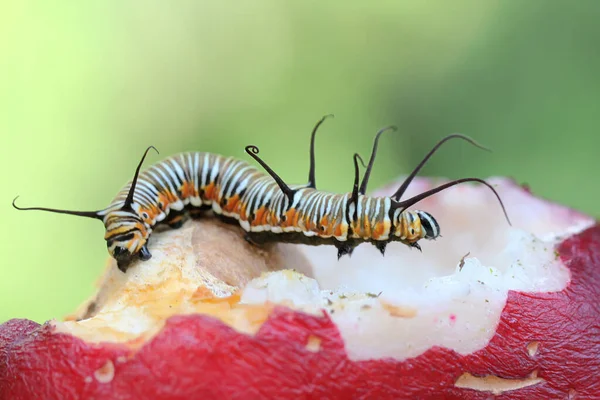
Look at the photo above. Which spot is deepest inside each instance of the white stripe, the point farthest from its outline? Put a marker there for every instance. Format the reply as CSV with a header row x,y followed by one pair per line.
x,y
155,176
205,169
148,186
178,170
359,211
195,171
174,178
215,169
235,180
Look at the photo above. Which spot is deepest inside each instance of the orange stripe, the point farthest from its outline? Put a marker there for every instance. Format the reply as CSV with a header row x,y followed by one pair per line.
x,y
231,203
379,230
188,190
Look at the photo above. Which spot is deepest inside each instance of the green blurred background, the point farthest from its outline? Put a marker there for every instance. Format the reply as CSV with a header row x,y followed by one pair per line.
x,y
86,86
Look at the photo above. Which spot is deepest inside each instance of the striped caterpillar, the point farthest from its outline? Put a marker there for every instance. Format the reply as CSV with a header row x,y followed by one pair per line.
x,y
267,209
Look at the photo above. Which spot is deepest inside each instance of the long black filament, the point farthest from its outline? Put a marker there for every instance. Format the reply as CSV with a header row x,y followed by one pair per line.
x,y
400,192
403,205
87,214
312,183
129,199
365,180
253,151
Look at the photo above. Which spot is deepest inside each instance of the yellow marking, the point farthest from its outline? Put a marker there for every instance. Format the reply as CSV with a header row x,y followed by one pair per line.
x,y
271,218
378,230
152,213
266,218
381,229
211,191
119,230
164,199
138,247
330,229
306,221
289,218
238,207
338,230
175,219
260,216
231,203
242,213
171,197
416,235
296,218
188,190
367,232
401,228
324,221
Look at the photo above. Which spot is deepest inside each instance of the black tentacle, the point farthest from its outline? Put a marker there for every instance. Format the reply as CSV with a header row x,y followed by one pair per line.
x,y
355,191
398,195
253,151
312,183
87,214
403,205
129,199
366,176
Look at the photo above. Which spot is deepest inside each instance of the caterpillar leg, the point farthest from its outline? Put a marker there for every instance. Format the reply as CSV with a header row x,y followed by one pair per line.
x,y
198,212
416,246
256,238
248,238
175,220
345,248
176,225
381,247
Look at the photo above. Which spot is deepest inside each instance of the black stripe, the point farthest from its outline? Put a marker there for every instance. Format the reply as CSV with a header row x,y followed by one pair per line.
x,y
123,237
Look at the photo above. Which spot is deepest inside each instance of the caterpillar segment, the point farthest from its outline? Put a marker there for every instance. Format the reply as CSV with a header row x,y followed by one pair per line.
x,y
262,204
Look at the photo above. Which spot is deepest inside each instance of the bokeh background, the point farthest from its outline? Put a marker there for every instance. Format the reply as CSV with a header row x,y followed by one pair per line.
x,y
86,86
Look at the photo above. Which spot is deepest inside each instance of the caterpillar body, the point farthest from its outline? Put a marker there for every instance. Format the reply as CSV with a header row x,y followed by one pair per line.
x,y
266,208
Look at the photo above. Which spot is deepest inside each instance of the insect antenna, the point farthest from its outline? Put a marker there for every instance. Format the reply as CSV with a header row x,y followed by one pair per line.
x,y
311,170
365,180
398,195
407,203
88,214
253,151
355,191
129,199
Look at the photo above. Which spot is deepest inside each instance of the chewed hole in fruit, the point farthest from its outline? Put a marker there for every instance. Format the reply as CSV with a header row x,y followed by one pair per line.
x,y
456,301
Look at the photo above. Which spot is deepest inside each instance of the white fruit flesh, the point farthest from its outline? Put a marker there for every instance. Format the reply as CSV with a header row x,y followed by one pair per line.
x,y
443,303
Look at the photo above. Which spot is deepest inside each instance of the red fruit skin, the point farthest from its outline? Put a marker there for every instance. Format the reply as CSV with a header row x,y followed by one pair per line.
x,y
197,357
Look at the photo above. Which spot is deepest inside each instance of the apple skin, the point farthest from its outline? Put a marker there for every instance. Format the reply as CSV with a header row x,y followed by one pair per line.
x,y
195,356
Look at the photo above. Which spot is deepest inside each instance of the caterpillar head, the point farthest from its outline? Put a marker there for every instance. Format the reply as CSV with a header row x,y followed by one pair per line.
x,y
126,237
430,229
126,234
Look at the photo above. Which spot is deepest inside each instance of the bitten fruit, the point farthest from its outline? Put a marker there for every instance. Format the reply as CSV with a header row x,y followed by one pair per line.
x,y
486,311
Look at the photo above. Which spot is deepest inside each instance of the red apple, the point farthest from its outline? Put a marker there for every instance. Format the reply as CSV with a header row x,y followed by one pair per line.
x,y
486,310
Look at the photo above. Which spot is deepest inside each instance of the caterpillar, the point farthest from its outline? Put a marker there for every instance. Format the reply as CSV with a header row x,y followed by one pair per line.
x,y
266,208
